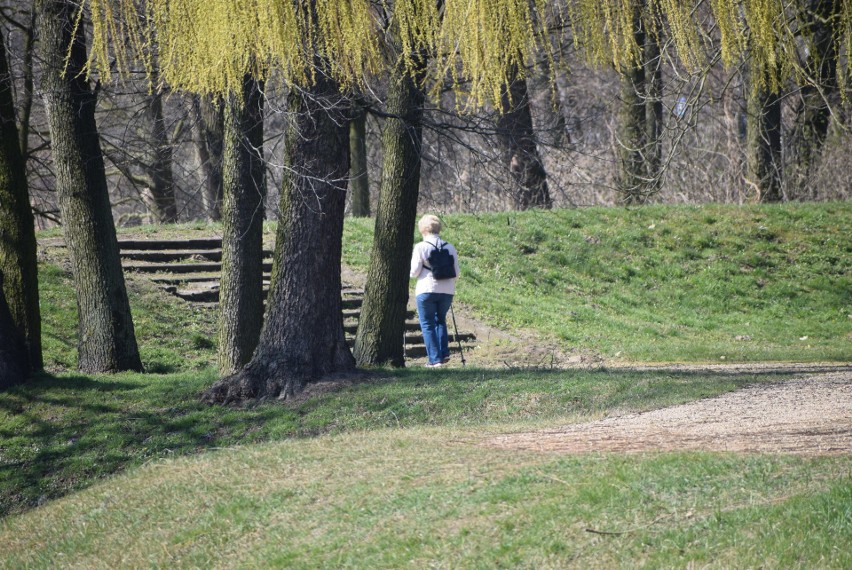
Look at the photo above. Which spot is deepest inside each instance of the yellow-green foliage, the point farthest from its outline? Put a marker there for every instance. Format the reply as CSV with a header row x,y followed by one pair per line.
x,y
209,45
490,39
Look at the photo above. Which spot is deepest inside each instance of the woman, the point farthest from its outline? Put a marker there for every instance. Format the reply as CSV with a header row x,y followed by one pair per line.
x,y
434,296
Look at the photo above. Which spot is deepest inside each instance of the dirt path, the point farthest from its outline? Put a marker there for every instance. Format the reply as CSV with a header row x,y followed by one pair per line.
x,y
809,415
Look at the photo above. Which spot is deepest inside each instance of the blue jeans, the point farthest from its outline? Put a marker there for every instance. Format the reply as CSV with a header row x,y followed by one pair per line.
x,y
432,309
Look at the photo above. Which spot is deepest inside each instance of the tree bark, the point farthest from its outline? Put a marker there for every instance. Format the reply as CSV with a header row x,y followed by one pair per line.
x,y
17,227
813,114
14,364
241,289
381,325
515,131
107,340
160,196
633,123
763,143
26,100
654,109
359,183
209,120
302,338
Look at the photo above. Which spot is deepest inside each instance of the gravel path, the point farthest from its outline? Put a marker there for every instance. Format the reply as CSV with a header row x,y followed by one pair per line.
x,y
809,415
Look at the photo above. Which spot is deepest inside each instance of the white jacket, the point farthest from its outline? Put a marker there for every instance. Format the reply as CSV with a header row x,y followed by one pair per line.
x,y
419,261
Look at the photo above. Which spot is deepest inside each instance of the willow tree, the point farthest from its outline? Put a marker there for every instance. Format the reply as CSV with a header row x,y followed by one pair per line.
x,y
208,114
632,131
763,142
820,24
320,47
243,206
381,326
14,362
302,337
359,180
757,32
520,149
17,231
106,337
159,190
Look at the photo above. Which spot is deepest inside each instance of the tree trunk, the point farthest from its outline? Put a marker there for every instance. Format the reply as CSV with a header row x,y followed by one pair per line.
x,y
302,338
764,143
515,131
209,119
654,110
14,364
359,183
241,290
107,341
813,114
381,325
632,122
25,101
17,227
160,196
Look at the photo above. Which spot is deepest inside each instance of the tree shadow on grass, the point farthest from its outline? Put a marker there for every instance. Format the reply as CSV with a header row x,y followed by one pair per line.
x,y
61,434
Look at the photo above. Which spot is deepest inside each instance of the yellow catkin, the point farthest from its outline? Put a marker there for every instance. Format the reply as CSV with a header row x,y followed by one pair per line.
x,y
208,46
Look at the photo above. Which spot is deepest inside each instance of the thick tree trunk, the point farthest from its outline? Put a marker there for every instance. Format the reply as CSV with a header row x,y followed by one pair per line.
x,y
17,228
241,290
813,114
14,364
302,338
764,143
381,325
160,196
359,183
633,124
209,119
107,341
515,131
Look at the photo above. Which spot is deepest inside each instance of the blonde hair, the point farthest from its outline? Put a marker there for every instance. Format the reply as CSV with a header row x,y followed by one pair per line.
x,y
429,224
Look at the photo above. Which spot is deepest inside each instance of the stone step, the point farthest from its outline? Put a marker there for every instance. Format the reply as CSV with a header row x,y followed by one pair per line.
x,y
181,268
172,255
411,325
191,270
168,255
186,278
210,294
153,244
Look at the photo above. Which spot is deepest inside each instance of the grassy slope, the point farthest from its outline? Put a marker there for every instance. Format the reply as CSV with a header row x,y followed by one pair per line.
x,y
421,498
662,283
376,495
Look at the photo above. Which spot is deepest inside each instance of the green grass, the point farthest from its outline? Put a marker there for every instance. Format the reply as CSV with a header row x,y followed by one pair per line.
x,y
393,471
661,283
420,498
173,336
59,434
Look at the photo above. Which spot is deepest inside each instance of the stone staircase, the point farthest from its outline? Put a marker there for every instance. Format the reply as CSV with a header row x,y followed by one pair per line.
x,y
190,269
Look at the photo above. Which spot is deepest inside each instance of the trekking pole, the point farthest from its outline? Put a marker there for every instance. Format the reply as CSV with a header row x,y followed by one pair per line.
x,y
456,329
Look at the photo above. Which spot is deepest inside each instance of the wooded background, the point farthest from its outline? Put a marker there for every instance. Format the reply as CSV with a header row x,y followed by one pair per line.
x,y
166,142
117,112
